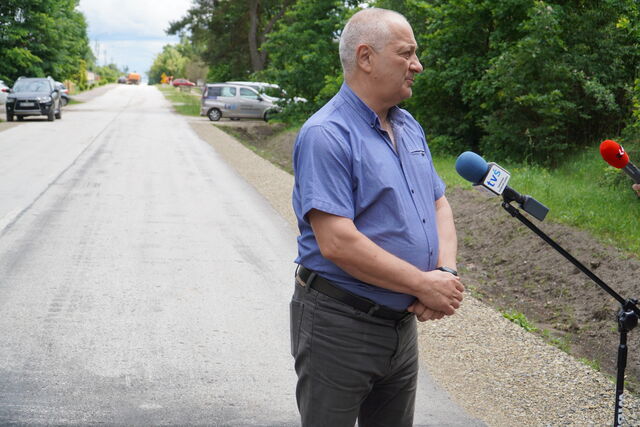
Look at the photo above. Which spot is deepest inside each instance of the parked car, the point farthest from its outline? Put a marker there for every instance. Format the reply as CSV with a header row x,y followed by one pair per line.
x,y
34,96
182,82
270,91
64,93
235,102
4,91
122,80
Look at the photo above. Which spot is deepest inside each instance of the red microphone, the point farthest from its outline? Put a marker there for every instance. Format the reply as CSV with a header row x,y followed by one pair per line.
x,y
614,154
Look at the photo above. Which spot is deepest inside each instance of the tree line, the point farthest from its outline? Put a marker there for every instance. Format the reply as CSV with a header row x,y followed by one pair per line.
x,y
519,80
47,38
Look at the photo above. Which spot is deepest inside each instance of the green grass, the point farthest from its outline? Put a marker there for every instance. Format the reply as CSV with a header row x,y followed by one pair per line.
x,y
561,342
584,192
185,103
593,364
519,319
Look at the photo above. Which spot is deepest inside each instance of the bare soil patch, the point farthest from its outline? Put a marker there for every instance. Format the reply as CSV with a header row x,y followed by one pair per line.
x,y
510,268
505,265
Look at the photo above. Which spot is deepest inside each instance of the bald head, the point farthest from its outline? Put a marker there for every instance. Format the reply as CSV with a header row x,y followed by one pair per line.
x,y
368,26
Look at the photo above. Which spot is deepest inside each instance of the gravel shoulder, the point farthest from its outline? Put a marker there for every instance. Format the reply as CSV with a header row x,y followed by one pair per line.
x,y
493,368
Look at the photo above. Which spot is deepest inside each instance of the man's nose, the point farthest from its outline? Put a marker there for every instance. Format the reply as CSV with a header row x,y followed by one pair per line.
x,y
416,66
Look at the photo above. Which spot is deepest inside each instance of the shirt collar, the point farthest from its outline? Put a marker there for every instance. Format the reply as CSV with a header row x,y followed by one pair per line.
x,y
366,113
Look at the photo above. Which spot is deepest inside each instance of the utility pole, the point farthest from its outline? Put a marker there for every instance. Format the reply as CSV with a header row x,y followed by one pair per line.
x,y
97,51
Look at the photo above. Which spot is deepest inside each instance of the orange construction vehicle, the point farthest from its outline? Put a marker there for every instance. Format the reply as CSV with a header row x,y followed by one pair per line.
x,y
133,79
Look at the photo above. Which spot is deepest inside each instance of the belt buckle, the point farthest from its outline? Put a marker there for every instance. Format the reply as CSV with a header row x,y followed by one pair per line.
x,y
309,281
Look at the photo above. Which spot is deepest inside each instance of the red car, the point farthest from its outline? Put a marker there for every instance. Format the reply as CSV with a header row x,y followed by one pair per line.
x,y
182,82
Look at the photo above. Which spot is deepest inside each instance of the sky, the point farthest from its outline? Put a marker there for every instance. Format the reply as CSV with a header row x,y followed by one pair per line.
x,y
131,32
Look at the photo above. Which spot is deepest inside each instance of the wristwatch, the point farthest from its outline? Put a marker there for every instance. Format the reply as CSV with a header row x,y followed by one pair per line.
x,y
447,269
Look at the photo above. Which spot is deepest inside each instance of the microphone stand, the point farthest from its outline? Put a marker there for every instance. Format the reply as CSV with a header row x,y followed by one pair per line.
x,y
627,316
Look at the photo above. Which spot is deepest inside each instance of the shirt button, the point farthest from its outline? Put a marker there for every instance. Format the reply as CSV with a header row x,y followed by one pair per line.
x,y
412,190
424,220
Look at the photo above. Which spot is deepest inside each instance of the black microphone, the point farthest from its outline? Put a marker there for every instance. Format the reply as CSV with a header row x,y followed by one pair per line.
x,y
492,179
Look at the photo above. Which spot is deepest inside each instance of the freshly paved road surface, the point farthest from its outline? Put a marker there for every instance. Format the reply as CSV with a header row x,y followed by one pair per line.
x,y
142,281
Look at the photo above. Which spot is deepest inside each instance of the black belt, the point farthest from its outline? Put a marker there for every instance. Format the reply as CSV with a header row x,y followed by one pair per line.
x,y
309,278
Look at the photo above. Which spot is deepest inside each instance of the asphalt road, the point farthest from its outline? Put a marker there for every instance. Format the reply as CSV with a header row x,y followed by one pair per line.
x,y
142,281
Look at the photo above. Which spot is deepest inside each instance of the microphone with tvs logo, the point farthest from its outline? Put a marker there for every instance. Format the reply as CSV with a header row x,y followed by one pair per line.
x,y
491,179
614,154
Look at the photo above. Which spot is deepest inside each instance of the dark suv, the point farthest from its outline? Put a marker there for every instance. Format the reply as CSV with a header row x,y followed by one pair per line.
x,y
34,96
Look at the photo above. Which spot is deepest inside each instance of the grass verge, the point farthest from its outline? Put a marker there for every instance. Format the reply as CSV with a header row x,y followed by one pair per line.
x,y
184,102
584,192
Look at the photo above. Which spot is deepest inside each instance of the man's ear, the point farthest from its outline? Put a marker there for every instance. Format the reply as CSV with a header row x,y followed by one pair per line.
x,y
364,57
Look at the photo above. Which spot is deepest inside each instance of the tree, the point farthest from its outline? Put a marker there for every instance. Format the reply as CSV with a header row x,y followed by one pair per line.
x,y
228,34
303,52
170,61
108,73
456,42
554,89
525,79
195,69
72,42
44,37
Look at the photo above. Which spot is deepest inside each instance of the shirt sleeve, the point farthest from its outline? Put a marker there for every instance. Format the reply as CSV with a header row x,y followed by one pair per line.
x,y
323,172
438,184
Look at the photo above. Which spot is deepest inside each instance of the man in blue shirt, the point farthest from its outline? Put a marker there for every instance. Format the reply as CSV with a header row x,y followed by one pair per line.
x,y
377,245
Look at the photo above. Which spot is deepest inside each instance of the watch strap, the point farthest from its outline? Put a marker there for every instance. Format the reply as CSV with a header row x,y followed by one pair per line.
x,y
447,269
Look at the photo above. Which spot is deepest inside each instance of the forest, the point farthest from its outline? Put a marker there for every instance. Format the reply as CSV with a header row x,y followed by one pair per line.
x,y
47,38
518,80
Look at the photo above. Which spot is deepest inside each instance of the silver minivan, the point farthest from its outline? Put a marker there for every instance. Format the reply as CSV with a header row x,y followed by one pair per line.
x,y
235,102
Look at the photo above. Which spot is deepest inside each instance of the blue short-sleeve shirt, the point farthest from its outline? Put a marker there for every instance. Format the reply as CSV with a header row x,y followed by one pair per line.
x,y
345,165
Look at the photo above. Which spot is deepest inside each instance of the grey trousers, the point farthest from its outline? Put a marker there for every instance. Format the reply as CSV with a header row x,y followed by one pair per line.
x,y
351,365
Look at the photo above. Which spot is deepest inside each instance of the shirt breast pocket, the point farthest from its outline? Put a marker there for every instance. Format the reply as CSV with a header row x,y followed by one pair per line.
x,y
419,157
420,167
417,152
415,149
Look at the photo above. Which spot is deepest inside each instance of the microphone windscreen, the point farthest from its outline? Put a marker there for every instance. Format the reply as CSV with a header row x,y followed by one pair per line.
x,y
471,167
614,154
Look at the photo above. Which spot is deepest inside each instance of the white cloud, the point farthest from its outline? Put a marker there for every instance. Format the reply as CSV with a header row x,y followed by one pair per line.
x,y
131,32
132,18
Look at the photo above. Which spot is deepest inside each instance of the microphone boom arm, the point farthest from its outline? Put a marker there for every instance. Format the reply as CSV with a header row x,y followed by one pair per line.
x,y
527,203
627,316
